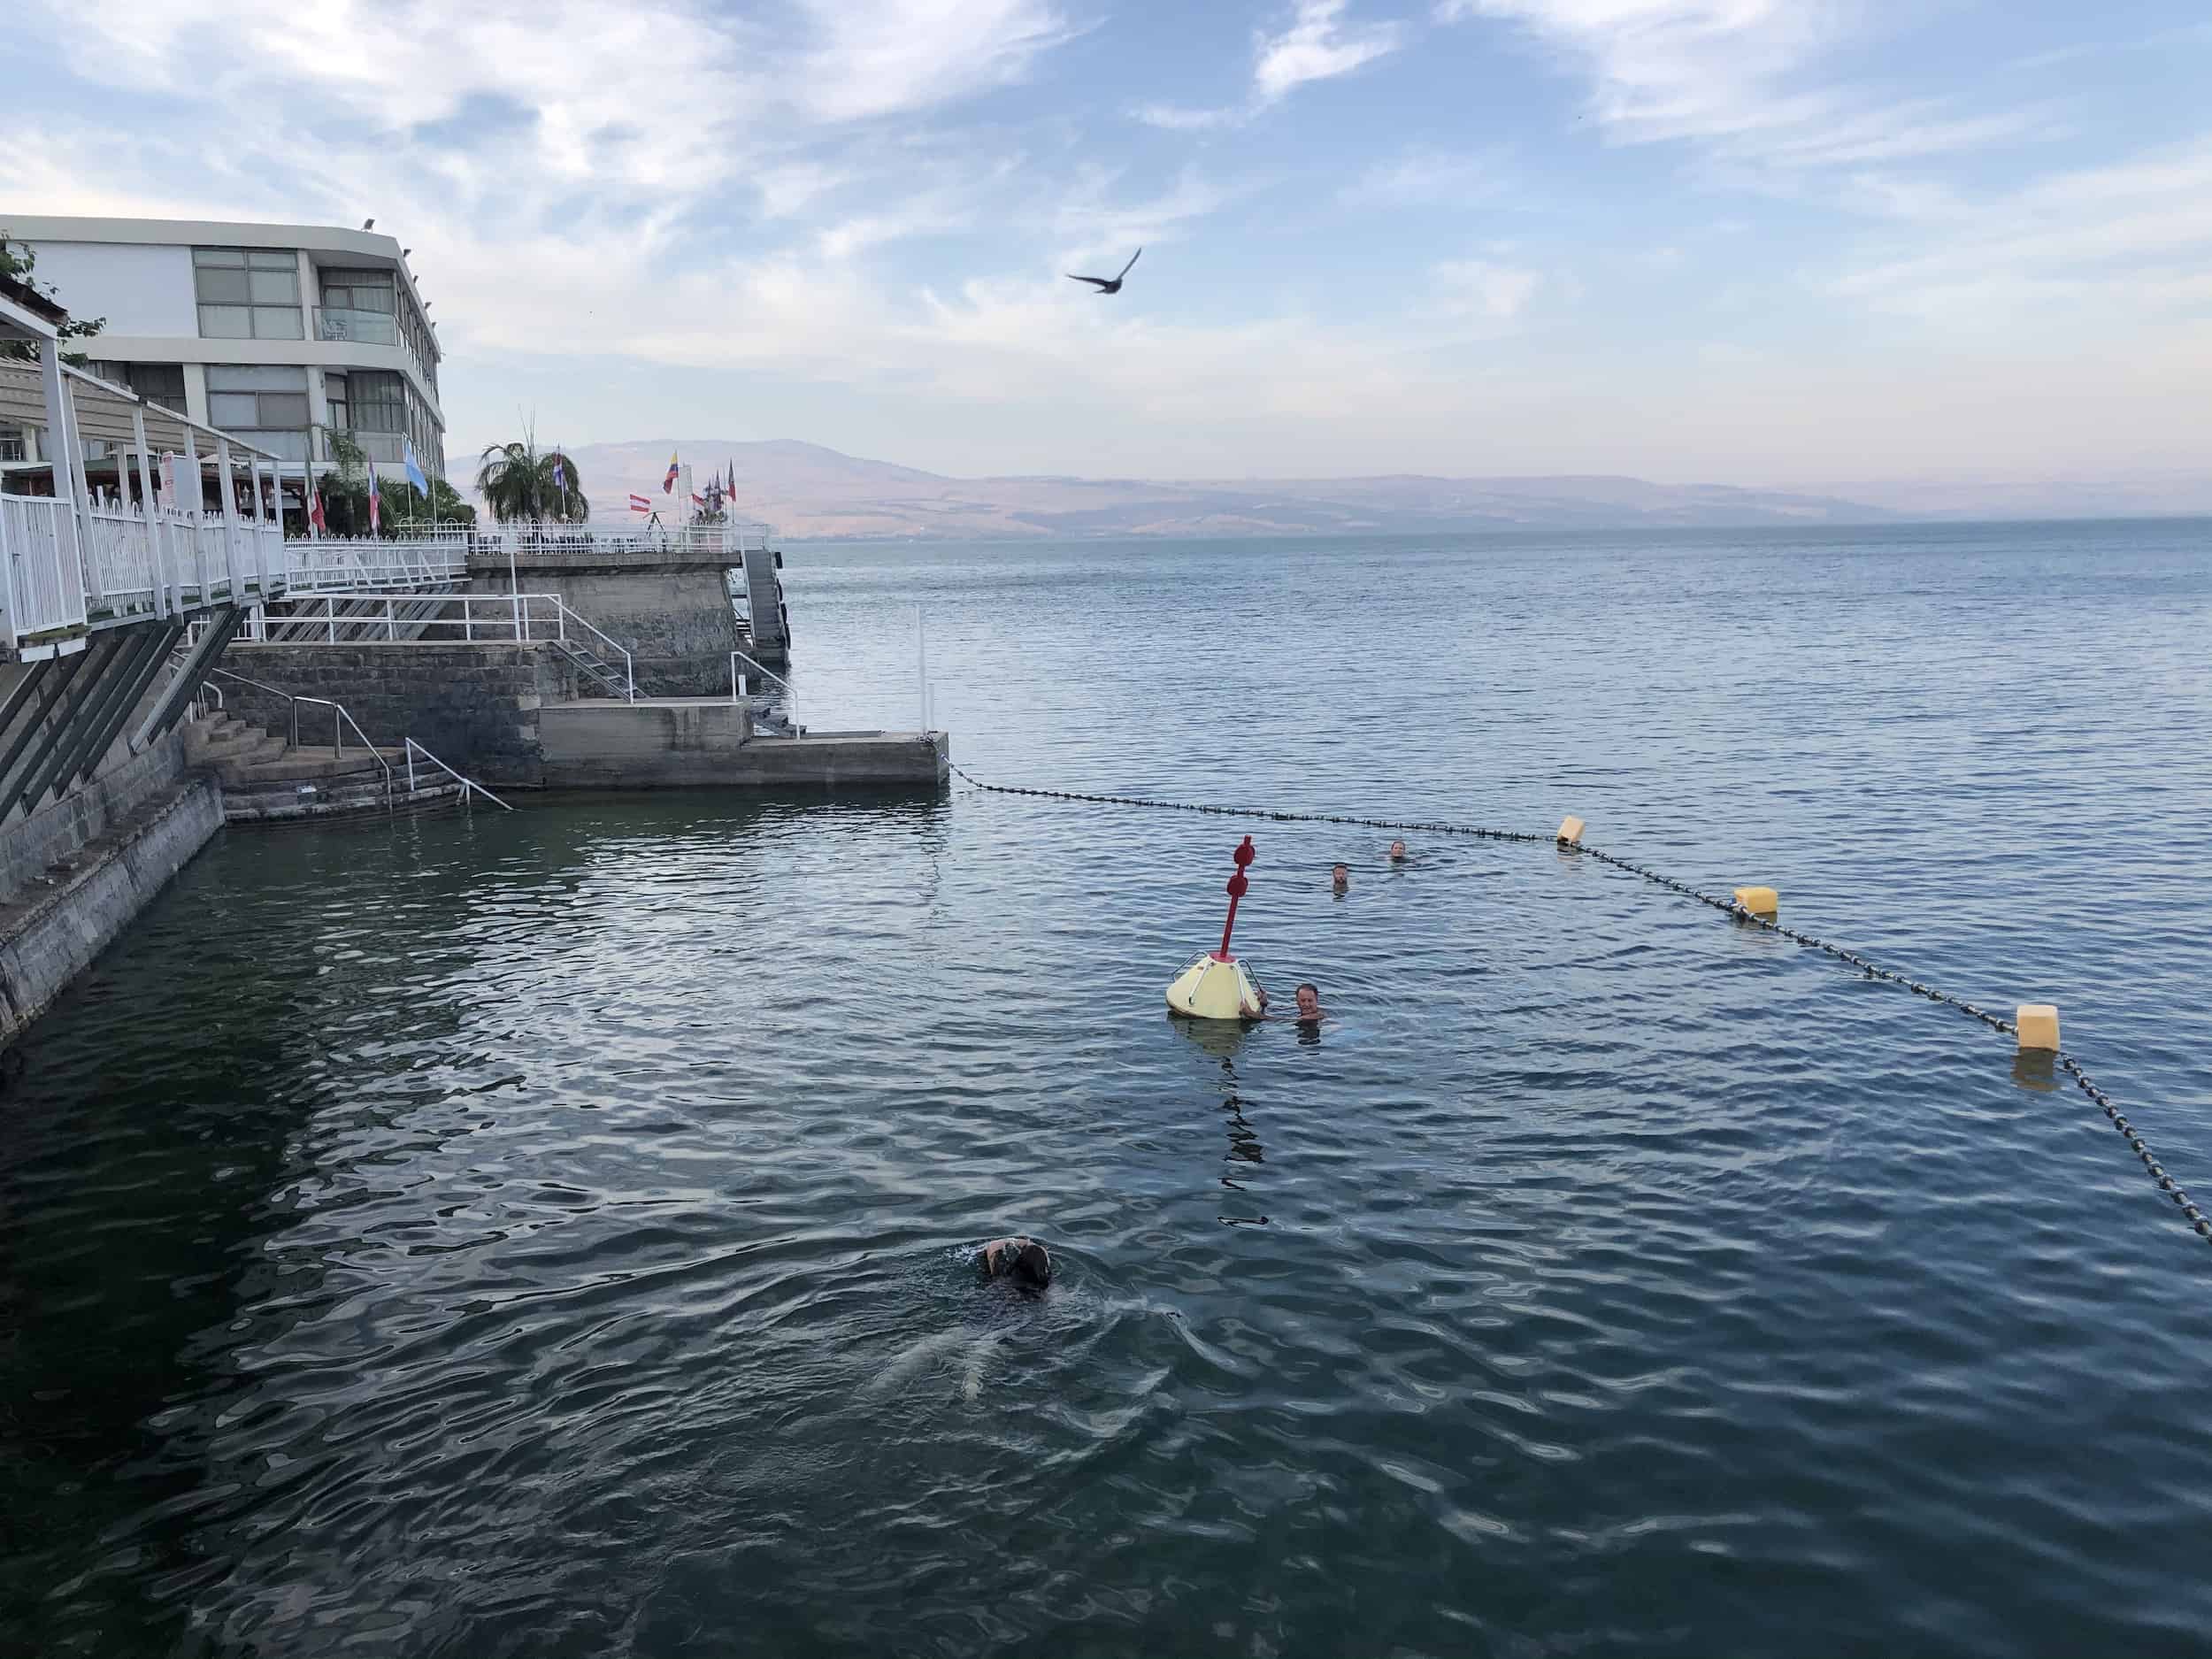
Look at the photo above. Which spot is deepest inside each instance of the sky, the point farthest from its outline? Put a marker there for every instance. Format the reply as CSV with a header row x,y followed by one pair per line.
x,y
1754,242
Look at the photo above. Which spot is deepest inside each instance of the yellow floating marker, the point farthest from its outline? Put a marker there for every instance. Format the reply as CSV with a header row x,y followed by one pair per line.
x,y
1758,901
2036,1023
1211,988
1570,832
1216,985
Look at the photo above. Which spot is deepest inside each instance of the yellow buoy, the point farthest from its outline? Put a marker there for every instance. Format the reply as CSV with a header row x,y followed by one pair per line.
x,y
1211,988
1759,900
1571,831
2036,1023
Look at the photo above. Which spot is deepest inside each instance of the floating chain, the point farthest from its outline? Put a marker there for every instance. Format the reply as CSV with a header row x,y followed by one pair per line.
x,y
2196,1218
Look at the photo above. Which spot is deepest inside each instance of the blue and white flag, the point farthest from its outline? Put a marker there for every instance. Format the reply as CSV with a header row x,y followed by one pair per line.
x,y
414,467
560,477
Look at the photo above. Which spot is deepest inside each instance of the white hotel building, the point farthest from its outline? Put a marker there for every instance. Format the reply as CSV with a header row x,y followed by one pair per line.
x,y
280,333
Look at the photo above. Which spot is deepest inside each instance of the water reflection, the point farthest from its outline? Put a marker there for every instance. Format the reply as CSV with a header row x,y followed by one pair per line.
x,y
1222,1040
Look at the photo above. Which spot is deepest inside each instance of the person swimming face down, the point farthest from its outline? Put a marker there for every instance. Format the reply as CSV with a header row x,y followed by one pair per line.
x,y
1023,1259
1340,879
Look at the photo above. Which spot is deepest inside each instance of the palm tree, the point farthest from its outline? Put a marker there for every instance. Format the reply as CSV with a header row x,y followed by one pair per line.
x,y
516,481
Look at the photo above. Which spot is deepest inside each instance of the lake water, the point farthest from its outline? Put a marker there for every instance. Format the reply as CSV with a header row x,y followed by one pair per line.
x,y
546,1234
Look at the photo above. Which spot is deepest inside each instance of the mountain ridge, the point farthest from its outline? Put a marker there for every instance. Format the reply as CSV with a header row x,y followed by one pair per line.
x,y
814,493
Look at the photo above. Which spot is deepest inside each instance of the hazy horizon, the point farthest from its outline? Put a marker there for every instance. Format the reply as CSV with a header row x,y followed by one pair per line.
x,y
1732,241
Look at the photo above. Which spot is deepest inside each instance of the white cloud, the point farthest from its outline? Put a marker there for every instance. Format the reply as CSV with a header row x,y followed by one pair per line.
x,y
1428,178
889,57
2131,237
1484,287
1319,45
1740,77
1176,120
1316,44
1094,223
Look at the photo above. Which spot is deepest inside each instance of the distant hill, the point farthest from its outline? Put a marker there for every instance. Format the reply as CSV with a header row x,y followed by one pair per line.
x,y
811,493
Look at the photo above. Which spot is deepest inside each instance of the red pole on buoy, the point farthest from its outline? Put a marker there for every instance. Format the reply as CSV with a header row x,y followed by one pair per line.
x,y
1244,855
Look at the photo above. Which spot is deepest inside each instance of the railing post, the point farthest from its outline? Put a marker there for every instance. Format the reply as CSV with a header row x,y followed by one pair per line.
x,y
391,632
294,703
229,514
151,516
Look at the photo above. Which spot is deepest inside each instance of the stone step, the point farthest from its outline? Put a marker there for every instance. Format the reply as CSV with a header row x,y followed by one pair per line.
x,y
273,806
313,763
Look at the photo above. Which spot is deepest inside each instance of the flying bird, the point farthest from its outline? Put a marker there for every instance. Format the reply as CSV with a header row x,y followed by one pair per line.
x,y
1102,284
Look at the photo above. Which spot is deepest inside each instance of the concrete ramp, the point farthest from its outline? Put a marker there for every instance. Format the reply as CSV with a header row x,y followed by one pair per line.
x,y
689,742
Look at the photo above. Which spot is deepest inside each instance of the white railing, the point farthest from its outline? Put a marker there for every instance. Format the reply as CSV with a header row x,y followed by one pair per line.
x,y
45,587
122,547
65,568
469,786
435,618
567,543
349,563
741,689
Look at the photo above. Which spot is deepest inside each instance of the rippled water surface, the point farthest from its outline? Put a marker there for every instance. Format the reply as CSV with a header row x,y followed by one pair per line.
x,y
546,1234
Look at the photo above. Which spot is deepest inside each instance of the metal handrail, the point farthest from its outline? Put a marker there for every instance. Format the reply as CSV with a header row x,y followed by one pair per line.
x,y
467,784
516,617
340,718
790,691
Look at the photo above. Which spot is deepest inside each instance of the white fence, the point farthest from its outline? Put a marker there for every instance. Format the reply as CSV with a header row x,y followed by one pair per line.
x,y
45,585
65,572
355,563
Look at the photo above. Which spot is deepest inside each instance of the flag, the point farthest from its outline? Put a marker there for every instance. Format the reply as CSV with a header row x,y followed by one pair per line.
x,y
668,484
640,503
375,504
560,478
315,510
732,481
697,499
414,467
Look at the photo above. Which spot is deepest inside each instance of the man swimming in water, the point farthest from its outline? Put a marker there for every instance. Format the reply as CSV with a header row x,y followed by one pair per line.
x,y
1340,879
1022,1260
1309,1009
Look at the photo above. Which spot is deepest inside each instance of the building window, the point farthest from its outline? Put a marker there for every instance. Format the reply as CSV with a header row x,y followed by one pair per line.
x,y
335,394
160,383
378,399
247,293
357,306
265,403
12,445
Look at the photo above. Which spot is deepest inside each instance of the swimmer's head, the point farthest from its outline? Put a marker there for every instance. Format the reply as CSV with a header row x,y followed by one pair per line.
x,y
1397,849
1022,1260
1341,877
1308,996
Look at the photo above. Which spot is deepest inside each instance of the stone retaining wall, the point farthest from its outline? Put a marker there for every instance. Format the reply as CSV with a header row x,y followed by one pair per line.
x,y
49,933
475,707
29,847
678,624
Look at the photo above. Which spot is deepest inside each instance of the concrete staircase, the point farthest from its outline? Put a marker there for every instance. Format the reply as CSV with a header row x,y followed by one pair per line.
x,y
267,781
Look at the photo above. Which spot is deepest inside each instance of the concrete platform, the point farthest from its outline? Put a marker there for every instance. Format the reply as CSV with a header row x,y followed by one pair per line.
x,y
690,742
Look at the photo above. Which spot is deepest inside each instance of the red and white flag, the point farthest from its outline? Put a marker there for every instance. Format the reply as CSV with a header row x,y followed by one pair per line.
x,y
315,511
697,499
375,505
639,503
